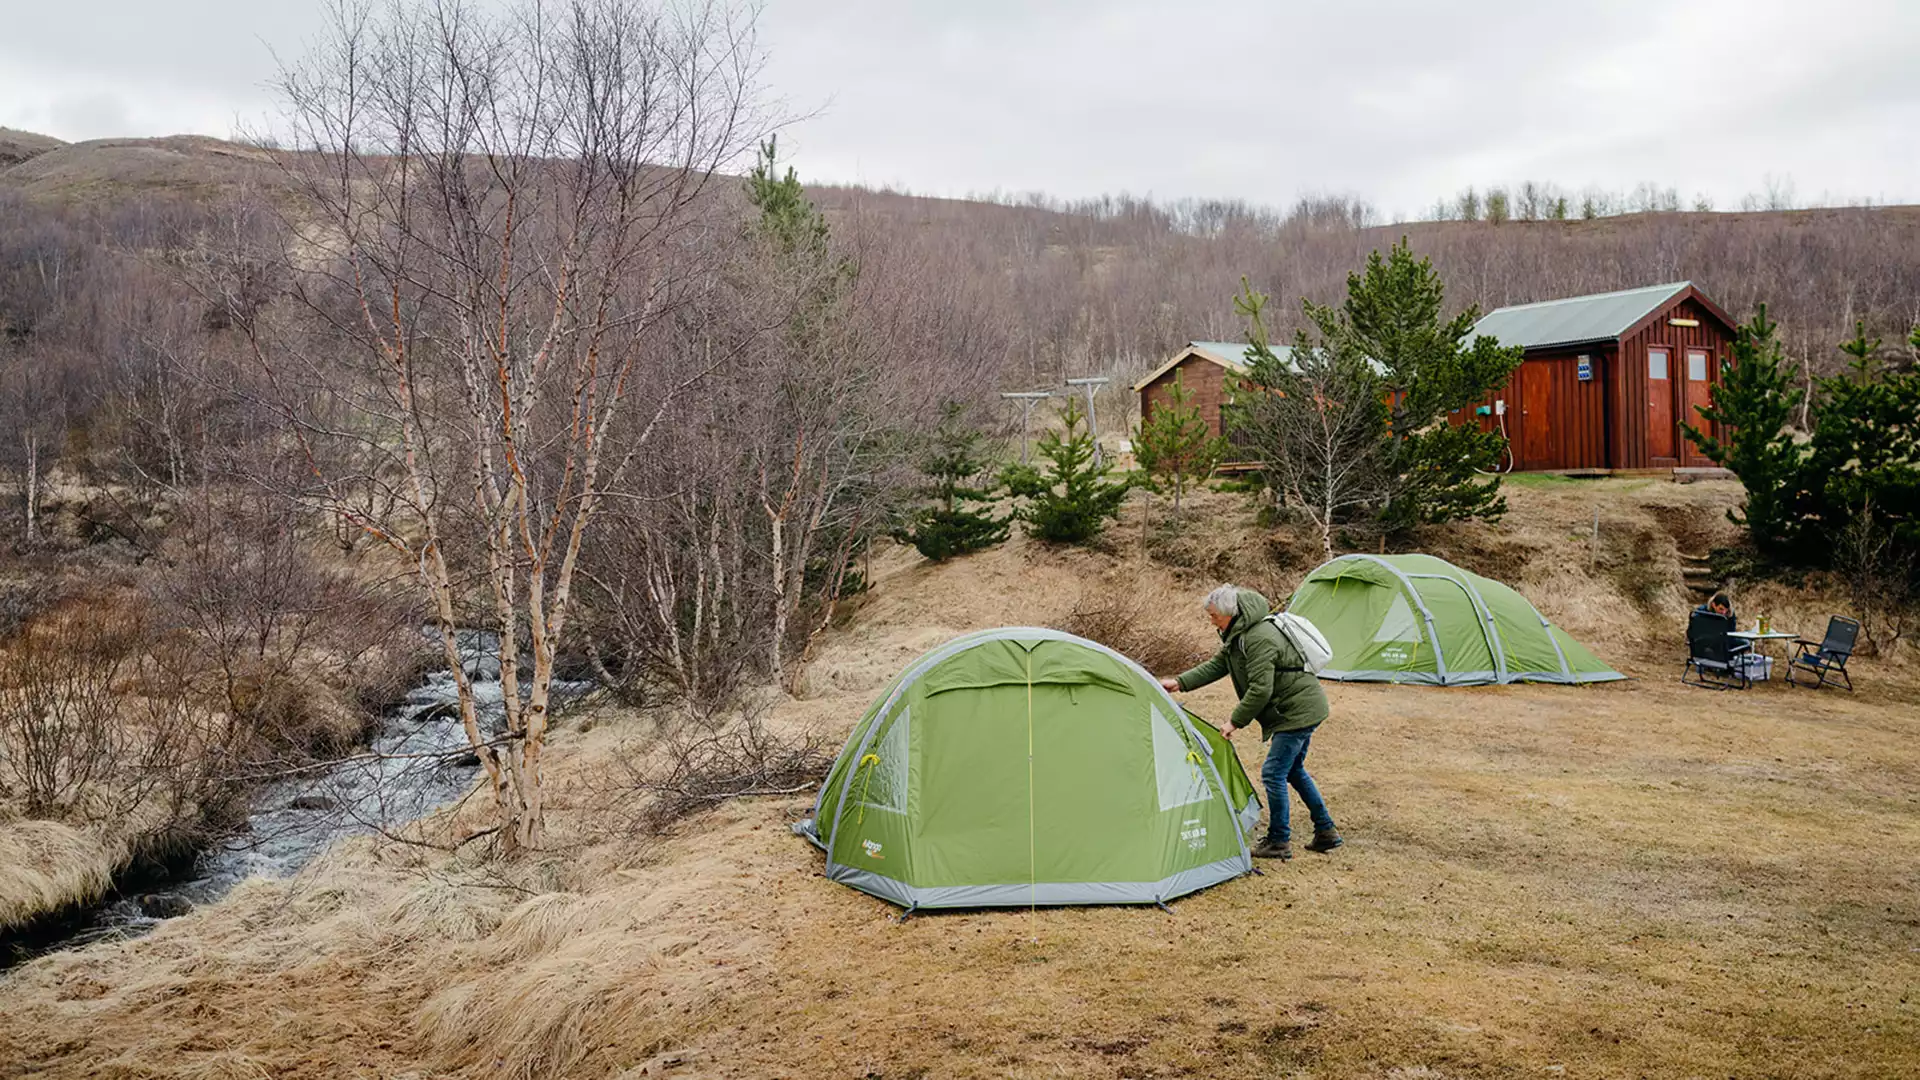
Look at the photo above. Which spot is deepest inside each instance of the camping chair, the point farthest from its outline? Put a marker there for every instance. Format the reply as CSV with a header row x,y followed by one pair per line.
x,y
1827,660
1712,655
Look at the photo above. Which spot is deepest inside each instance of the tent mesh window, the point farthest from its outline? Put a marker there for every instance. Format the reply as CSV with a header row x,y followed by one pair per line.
x,y
1182,781
885,784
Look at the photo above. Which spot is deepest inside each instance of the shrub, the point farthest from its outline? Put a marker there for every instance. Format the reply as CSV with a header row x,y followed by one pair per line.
x,y
1132,623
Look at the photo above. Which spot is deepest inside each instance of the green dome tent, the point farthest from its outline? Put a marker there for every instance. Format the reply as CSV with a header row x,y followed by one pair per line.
x,y
1418,619
1027,766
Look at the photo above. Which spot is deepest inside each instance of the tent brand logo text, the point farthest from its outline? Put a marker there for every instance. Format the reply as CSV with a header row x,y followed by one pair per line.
x,y
873,849
1195,835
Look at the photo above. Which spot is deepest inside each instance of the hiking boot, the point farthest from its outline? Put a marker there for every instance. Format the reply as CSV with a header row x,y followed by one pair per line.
x,y
1324,842
1267,849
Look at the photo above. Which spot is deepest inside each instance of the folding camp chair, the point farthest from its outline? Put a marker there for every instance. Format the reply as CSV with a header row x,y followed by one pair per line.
x,y
1712,656
1826,661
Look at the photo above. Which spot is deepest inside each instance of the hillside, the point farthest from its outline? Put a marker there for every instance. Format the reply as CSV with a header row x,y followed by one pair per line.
x,y
1113,286
17,146
104,172
1620,880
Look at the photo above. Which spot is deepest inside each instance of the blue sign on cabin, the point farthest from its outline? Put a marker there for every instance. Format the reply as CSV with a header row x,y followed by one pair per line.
x,y
1586,368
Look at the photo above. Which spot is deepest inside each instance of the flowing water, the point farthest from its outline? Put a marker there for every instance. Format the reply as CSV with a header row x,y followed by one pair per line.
x,y
416,763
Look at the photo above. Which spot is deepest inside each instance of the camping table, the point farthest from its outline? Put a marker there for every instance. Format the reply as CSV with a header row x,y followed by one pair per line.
x,y
1757,639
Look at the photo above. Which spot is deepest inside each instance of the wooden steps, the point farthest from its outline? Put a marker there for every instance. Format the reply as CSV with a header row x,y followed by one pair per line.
x,y
1697,573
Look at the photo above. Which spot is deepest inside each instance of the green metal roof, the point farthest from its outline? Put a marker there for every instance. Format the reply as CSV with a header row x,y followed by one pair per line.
x,y
1238,353
1576,320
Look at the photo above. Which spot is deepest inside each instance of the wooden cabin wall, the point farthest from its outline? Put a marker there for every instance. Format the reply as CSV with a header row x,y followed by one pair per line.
x,y
1631,432
1554,420
1204,379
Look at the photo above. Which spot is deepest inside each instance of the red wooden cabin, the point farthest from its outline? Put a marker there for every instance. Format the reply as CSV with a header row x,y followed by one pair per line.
x,y
1607,379
1206,369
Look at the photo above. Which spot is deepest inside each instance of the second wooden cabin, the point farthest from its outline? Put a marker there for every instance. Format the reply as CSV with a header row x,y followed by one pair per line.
x,y
1605,382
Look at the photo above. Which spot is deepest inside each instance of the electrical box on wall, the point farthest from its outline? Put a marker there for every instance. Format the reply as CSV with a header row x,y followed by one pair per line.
x,y
1586,367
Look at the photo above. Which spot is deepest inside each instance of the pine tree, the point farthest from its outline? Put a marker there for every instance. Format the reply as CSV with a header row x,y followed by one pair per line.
x,y
787,218
1175,448
1078,499
1863,355
1428,369
1865,451
955,464
1752,403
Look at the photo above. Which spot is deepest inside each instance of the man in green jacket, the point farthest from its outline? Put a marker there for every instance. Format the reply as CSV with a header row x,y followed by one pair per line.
x,y
1276,689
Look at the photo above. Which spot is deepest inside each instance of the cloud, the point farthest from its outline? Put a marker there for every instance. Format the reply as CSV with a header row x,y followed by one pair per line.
x,y
1399,101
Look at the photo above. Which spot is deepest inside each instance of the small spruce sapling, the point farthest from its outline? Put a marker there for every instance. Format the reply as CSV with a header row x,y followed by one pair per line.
x,y
1174,447
957,466
1078,500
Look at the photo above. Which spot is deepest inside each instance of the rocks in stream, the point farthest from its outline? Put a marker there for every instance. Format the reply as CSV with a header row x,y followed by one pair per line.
x,y
311,802
445,710
467,761
163,905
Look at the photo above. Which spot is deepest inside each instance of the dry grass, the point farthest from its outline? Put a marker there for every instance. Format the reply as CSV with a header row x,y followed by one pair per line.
x,y
1624,880
44,864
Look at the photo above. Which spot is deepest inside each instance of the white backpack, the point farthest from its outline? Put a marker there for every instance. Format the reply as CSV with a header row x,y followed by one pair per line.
x,y
1312,645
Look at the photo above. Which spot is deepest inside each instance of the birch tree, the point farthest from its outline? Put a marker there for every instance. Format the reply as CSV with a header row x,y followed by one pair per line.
x,y
1317,420
500,206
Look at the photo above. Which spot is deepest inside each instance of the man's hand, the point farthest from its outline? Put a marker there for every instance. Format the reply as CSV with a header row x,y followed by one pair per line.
x,y
1227,730
1170,684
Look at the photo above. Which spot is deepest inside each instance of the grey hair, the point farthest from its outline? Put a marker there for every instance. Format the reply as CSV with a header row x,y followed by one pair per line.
x,y
1225,600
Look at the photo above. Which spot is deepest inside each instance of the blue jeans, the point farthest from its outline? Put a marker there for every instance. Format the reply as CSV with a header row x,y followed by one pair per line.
x,y
1287,764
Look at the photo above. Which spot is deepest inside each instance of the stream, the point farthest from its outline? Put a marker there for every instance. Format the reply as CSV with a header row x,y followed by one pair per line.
x,y
295,819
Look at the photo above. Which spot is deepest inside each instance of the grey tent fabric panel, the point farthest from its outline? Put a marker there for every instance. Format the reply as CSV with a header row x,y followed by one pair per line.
x,y
1250,814
1414,678
1468,678
1045,893
810,831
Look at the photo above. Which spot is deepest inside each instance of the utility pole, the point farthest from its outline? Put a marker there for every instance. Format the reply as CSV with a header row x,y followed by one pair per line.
x,y
1027,399
1090,384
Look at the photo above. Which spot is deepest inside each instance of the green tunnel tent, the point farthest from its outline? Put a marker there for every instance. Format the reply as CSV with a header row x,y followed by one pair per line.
x,y
1023,766
1419,619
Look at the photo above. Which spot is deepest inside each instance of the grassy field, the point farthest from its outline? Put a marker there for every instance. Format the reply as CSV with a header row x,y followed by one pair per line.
x,y
1633,879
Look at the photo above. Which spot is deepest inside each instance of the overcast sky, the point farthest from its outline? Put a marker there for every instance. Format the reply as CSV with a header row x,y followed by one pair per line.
x,y
1397,101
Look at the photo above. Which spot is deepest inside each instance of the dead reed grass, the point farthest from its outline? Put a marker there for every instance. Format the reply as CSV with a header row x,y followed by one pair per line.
x,y
45,864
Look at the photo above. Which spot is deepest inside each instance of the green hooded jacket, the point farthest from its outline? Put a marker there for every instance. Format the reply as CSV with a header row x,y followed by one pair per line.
x,y
1268,673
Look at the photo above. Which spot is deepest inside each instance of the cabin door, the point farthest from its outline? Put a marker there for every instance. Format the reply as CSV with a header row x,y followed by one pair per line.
x,y
1698,396
1660,431
1536,416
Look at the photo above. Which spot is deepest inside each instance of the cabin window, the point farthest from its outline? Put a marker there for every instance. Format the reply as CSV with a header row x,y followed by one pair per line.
x,y
1697,366
1656,363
